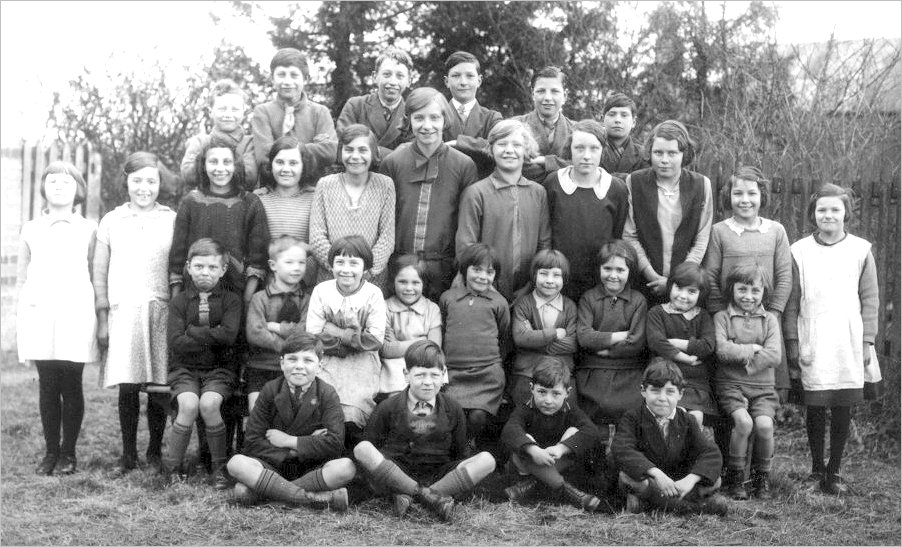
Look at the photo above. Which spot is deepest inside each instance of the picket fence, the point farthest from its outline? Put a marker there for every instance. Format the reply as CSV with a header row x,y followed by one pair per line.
x,y
36,156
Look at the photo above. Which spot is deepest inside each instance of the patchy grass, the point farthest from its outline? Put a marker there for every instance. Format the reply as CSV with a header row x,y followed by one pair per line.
x,y
92,508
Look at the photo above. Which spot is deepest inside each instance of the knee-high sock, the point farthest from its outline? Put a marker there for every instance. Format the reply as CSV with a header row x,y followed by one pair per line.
x,y
458,481
156,423
548,474
49,403
815,425
390,475
273,486
73,406
840,422
129,410
216,440
312,481
179,437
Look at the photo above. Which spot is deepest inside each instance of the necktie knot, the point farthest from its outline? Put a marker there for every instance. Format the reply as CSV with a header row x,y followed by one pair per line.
x,y
462,111
422,408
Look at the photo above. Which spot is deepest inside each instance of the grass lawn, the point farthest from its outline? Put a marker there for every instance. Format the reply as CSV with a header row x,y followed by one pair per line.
x,y
90,508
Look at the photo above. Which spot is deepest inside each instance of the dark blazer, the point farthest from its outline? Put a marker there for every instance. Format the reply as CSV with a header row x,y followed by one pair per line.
x,y
319,408
367,109
547,430
472,135
195,347
630,160
639,446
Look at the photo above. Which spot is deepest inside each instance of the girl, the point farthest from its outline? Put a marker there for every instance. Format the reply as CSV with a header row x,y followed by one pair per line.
x,y
349,314
670,209
477,322
132,300
748,345
411,317
429,178
682,331
830,325
356,201
506,211
610,329
585,199
56,323
220,208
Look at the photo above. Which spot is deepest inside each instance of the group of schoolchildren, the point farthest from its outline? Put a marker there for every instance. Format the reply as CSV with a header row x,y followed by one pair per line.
x,y
551,267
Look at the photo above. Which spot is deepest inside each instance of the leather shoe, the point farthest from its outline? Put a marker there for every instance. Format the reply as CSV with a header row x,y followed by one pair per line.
x,y
47,464
67,465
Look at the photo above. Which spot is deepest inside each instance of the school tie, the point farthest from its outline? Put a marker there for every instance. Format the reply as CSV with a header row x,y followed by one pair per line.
x,y
203,309
422,409
663,425
288,122
386,111
462,112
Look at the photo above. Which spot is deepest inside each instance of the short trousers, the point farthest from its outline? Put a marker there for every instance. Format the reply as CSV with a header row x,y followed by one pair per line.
x,y
217,380
292,468
424,474
759,401
256,378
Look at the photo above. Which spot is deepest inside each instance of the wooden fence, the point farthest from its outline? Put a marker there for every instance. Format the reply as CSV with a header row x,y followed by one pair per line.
x,y
36,156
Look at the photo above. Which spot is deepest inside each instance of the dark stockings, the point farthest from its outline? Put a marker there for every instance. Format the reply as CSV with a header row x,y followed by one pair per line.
x,y
816,424
130,410
61,402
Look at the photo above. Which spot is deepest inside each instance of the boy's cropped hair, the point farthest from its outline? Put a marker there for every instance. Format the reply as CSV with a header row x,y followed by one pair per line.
x,y
395,54
829,191
309,165
290,56
459,57
549,258
225,86
355,246
689,274
674,131
399,262
618,100
300,340
348,134
618,247
660,371
591,127
57,167
478,254
550,372
207,246
424,354
549,72
506,128
200,165
421,97
747,274
282,243
745,172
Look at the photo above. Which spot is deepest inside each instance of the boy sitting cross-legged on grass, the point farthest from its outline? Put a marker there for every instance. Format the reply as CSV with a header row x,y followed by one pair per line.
x,y
295,431
663,457
546,436
418,437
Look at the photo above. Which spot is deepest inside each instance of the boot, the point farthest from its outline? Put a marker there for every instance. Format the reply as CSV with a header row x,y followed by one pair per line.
x,y
47,464
401,504
337,500
734,487
521,489
221,480
715,504
834,485
760,484
442,506
579,498
67,464
243,495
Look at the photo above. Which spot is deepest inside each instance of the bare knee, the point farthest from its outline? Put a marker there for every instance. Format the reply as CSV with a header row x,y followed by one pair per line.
x,y
210,403
742,422
243,468
764,427
341,471
188,404
367,455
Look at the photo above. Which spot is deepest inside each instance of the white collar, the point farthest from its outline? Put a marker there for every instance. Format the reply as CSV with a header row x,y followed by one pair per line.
x,y
689,315
568,186
763,226
655,416
467,106
557,302
412,402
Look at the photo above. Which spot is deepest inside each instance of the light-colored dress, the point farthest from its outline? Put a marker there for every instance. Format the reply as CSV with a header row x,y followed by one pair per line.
x,y
131,279
405,323
351,364
56,319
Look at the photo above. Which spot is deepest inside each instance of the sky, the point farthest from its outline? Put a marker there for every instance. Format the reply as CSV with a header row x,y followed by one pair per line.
x,y
62,37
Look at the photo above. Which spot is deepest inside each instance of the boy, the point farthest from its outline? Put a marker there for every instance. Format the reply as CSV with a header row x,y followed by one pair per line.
x,y
274,313
661,454
202,327
546,436
227,109
621,154
383,110
547,123
296,426
292,113
418,436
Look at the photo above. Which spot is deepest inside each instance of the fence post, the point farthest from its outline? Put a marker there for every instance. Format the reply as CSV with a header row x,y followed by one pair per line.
x,y
27,177
95,168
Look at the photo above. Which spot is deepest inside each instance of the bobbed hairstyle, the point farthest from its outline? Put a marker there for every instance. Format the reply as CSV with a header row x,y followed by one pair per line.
x,y
660,371
478,254
618,100
309,165
347,134
459,57
200,165
282,243
139,160
591,127
748,274
421,97
395,54
551,371
549,72
615,248
207,246
399,262
745,172
424,354
506,128
64,167
549,258
689,274
831,191
354,246
300,340
672,130
225,86
290,56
